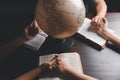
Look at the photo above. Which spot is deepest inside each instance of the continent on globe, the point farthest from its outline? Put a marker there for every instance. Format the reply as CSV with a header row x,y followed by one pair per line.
x,y
60,18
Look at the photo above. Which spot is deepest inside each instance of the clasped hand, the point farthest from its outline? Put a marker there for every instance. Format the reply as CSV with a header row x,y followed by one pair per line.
x,y
99,25
31,30
55,64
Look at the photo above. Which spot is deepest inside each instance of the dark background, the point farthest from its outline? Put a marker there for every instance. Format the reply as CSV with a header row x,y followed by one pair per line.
x,y
15,15
113,5
26,6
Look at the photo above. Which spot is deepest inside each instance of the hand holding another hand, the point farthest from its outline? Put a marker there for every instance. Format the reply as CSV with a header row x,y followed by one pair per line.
x,y
55,64
31,30
99,25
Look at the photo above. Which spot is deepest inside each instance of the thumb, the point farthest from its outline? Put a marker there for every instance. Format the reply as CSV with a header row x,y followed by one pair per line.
x,y
105,20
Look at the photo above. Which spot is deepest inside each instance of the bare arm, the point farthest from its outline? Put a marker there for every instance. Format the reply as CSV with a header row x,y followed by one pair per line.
x,y
57,63
7,49
101,8
108,34
79,76
31,75
111,36
102,29
74,75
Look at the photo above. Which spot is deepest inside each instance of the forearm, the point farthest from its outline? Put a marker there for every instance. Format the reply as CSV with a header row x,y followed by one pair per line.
x,y
79,76
111,36
31,75
6,49
101,8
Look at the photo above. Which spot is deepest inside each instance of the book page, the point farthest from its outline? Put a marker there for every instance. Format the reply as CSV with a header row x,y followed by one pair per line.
x,y
43,34
45,58
71,58
47,75
36,41
87,33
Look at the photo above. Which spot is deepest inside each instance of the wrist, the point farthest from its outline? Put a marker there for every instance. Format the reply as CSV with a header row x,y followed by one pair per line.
x,y
21,40
42,67
101,15
105,32
68,70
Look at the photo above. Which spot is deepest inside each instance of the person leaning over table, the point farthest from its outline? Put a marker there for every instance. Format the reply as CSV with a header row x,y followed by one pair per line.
x,y
55,64
98,7
27,35
102,29
15,17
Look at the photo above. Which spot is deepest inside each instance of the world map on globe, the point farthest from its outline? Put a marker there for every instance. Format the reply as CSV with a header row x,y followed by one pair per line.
x,y
60,18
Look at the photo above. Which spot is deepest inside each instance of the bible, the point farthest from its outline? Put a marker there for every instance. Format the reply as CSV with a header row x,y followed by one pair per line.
x,y
71,58
89,36
36,42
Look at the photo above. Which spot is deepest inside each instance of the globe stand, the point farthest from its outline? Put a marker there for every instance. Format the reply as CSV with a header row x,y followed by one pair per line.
x,y
53,45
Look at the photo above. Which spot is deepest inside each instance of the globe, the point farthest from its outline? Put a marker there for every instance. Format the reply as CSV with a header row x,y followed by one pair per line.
x,y
60,18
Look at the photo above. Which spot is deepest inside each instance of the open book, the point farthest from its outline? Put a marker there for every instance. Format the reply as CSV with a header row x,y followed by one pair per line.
x,y
36,41
89,36
71,58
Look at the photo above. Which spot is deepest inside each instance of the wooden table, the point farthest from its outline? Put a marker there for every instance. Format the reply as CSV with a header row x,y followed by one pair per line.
x,y
102,64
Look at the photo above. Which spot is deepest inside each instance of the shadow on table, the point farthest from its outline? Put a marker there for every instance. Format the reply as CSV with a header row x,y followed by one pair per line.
x,y
89,43
113,47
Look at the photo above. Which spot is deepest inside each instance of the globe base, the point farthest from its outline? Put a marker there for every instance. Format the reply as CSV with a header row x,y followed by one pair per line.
x,y
53,45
